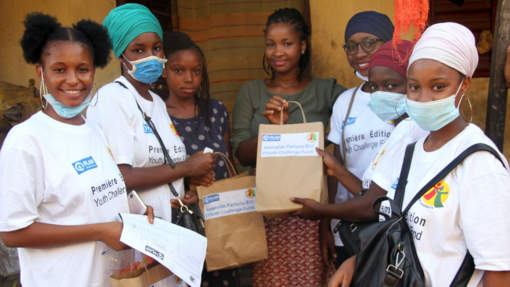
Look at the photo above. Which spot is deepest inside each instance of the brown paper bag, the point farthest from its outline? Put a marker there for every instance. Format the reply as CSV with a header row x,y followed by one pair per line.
x,y
235,233
141,277
289,166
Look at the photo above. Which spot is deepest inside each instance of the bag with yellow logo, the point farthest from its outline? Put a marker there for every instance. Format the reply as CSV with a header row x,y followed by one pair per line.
x,y
289,166
235,232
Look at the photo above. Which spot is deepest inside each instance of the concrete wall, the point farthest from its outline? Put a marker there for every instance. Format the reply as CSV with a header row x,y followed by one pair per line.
x,y
329,19
13,68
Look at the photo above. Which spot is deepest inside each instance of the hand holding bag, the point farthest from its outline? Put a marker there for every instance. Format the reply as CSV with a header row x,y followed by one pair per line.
x,y
289,166
235,232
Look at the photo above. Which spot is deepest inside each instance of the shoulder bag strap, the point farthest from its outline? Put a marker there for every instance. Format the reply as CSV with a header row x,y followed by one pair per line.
x,y
404,173
165,151
343,126
452,165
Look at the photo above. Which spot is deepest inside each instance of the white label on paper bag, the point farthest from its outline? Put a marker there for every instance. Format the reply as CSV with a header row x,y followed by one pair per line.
x,y
229,203
298,144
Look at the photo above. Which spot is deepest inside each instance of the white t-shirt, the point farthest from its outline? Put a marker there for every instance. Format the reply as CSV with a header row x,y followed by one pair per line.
x,y
364,134
393,150
61,174
469,209
114,109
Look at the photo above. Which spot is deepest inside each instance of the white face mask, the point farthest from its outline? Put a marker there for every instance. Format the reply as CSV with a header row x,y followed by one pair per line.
x,y
434,115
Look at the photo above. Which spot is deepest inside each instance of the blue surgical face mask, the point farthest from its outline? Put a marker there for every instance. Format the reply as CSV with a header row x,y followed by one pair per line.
x,y
434,115
387,105
146,70
65,111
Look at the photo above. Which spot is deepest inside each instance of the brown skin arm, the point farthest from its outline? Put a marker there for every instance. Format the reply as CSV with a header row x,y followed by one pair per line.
x,y
43,235
247,152
343,276
148,177
358,209
496,279
335,168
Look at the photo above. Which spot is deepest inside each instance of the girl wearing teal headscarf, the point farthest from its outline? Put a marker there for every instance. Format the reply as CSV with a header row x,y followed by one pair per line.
x,y
137,42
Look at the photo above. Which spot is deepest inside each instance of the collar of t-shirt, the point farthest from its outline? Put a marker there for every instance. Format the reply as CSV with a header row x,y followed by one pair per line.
x,y
364,78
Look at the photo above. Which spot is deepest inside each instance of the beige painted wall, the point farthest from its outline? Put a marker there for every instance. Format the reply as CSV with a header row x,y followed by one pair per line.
x,y
329,19
13,68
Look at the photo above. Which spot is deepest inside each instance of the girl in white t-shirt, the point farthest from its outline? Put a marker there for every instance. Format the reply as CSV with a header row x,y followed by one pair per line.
x,y
60,190
468,209
364,132
137,43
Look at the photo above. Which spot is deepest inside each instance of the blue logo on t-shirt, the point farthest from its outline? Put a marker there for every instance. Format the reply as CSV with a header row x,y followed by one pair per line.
x,y
211,198
350,121
147,129
271,138
394,186
84,165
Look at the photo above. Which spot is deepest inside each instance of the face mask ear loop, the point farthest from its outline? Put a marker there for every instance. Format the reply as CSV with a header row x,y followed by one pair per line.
x,y
458,90
43,90
396,112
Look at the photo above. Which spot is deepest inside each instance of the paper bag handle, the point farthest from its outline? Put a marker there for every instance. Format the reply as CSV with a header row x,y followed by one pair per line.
x,y
225,157
303,112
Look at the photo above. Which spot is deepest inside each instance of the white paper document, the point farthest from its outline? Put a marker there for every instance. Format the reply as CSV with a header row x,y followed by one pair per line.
x,y
297,144
229,203
180,250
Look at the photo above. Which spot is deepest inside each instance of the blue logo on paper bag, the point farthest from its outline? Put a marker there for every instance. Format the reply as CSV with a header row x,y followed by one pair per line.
x,y
350,121
147,129
211,198
84,165
271,138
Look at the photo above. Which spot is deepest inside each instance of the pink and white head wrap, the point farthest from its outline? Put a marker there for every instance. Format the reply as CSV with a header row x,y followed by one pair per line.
x,y
449,43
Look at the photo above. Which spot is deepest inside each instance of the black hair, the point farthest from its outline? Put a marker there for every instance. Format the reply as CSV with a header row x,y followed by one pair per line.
x,y
178,41
291,16
41,30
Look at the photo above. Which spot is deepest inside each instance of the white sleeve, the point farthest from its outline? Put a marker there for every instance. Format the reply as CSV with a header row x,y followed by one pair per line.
x,y
21,189
117,121
485,213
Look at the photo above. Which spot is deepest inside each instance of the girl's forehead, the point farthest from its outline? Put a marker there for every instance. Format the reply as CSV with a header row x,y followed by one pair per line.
x,y
429,68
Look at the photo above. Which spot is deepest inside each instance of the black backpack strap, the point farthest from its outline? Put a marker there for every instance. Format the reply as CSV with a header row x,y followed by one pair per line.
x,y
165,151
451,166
404,173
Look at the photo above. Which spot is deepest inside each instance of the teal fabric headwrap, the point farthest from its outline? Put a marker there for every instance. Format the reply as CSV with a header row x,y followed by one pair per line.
x,y
126,22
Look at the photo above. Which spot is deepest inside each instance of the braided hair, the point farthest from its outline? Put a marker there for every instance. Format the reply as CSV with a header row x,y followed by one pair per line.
x,y
178,41
291,16
41,30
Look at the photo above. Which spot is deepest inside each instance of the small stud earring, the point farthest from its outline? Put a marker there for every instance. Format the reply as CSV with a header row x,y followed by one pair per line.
x,y
303,52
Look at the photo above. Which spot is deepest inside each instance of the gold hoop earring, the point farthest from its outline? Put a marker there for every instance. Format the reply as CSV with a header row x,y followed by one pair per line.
x,y
471,108
396,104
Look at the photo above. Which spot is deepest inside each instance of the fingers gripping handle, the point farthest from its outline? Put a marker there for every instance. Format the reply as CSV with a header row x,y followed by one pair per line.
x,y
302,111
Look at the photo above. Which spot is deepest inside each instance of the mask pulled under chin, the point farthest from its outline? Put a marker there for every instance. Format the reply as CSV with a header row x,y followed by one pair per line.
x,y
361,76
65,111
146,70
